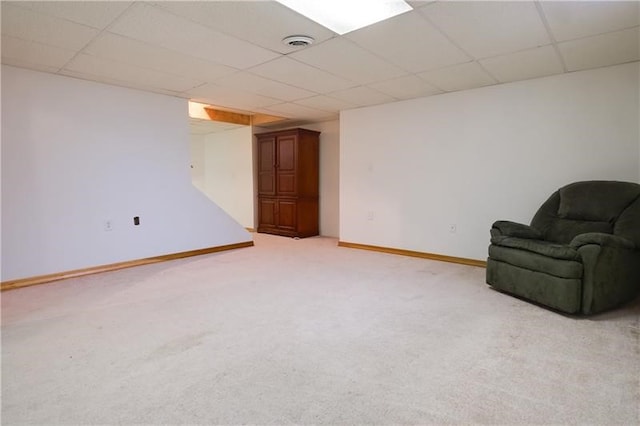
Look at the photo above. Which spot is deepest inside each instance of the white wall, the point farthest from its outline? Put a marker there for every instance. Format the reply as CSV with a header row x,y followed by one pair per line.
x,y
329,176
228,172
198,162
469,158
77,153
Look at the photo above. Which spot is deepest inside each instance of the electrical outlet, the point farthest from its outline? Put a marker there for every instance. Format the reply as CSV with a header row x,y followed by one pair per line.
x,y
108,225
453,228
369,215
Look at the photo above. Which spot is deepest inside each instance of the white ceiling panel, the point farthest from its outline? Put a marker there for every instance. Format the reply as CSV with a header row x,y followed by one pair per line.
x,y
459,77
538,62
407,87
286,70
419,3
155,26
264,23
363,96
574,19
122,83
263,86
345,59
25,24
20,52
290,109
96,14
214,94
486,28
409,41
94,66
325,103
229,53
133,52
601,50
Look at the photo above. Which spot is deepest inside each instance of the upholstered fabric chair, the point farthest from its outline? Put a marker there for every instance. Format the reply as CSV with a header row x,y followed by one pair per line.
x,y
581,253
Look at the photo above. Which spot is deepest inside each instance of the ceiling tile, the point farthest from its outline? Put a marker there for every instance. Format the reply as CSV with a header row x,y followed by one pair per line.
x,y
263,86
459,77
155,26
20,52
419,3
286,70
538,62
214,94
486,28
144,55
363,96
93,66
345,59
574,19
14,62
409,41
96,14
122,83
264,23
601,50
25,24
326,103
407,87
293,110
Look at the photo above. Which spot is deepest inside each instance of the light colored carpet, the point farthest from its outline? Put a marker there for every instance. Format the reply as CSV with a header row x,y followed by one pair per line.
x,y
301,331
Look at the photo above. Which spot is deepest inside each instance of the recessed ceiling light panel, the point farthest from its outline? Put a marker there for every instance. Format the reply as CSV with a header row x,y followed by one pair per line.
x,y
343,16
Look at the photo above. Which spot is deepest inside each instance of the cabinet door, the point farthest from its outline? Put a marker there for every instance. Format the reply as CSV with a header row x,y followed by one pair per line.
x,y
267,213
267,166
286,165
287,215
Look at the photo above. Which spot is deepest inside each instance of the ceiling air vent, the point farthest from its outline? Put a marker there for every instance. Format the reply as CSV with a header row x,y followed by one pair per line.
x,y
298,41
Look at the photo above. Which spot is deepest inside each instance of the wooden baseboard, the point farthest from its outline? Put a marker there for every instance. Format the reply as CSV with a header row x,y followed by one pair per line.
x,y
42,279
250,229
431,256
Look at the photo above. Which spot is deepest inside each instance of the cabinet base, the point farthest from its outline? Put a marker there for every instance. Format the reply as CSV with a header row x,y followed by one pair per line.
x,y
285,233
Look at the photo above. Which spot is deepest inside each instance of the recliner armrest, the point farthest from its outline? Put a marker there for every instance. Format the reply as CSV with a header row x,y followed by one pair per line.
x,y
602,239
505,228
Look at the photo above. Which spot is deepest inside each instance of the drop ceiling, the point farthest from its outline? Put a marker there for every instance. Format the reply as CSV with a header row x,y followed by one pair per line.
x,y
229,53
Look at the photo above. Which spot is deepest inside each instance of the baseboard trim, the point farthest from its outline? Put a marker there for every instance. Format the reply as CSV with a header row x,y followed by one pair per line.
x,y
43,279
251,229
411,253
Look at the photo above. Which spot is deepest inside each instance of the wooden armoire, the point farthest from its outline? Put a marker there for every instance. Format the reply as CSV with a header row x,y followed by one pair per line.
x,y
288,181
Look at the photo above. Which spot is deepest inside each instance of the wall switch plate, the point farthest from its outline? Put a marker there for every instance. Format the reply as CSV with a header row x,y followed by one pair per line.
x,y
108,225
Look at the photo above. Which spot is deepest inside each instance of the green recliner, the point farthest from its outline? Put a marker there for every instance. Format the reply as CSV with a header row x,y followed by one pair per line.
x,y
581,253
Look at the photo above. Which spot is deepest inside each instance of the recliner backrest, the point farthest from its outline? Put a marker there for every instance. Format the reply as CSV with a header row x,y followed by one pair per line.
x,y
591,206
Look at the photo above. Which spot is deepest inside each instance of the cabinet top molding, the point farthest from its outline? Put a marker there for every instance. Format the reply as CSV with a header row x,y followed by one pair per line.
x,y
288,131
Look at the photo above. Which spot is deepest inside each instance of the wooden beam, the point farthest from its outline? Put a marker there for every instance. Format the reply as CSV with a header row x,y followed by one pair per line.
x,y
228,116
258,119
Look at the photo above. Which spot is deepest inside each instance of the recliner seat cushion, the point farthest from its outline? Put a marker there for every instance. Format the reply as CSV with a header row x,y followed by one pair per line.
x,y
536,262
545,248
